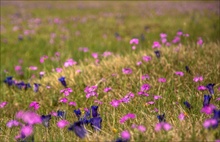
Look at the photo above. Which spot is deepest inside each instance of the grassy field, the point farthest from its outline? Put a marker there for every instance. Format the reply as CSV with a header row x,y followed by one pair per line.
x,y
89,43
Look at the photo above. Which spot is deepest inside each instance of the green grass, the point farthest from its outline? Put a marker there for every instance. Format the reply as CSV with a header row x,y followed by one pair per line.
x,y
105,18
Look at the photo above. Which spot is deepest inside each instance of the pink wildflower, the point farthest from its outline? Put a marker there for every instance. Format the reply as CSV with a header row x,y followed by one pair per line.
x,y
66,91
144,77
63,100
179,73
163,125
3,104
162,80
115,103
146,58
198,78
141,128
201,88
181,116
62,123
59,70
156,44
70,62
34,105
125,135
134,41
138,63
72,103
26,130
157,97
33,68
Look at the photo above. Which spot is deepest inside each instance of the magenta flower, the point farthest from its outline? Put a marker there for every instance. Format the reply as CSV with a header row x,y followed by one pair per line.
x,y
146,58
134,41
33,68
143,93
34,105
198,78
181,116
115,103
145,87
78,71
12,123
59,70
141,128
138,63
98,102
72,103
3,104
144,77
26,131
62,123
127,98
176,39
90,91
107,53
210,123
201,88
18,68
133,47
157,97
179,73
156,44
29,117
66,91
127,116
208,109
125,135
162,125
70,62
107,89
127,71
200,41
150,103
95,55
218,99
162,80
63,100
163,35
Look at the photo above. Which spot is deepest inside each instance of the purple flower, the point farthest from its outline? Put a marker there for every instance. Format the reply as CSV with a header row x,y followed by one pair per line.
x,y
66,91
181,116
127,71
198,78
176,39
36,87
206,100
115,103
26,131
162,125
125,135
34,105
208,109
144,77
138,63
161,118
210,88
201,88
29,117
94,111
187,69
157,53
3,104
62,123
187,104
200,41
46,120
145,87
163,80
63,100
12,123
156,44
96,123
107,89
143,93
146,58
210,123
63,81
134,41
179,73
77,113
9,81
78,129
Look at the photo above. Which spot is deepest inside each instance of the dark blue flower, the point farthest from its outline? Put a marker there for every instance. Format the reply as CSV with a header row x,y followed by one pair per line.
x,y
187,104
78,113
61,114
121,140
187,69
142,37
216,114
63,82
157,53
45,120
161,118
210,88
96,123
20,85
36,87
27,85
78,129
9,81
206,100
94,111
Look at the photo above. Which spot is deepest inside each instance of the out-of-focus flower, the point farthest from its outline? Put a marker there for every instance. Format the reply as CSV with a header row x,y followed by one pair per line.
x,y
63,100
127,71
146,58
70,62
95,55
163,125
208,109
144,77
78,129
72,103
187,69
12,123
34,105
161,118
33,68
163,80
59,70
210,123
200,41
62,123
210,88
3,104
94,111
62,81
96,123
36,87
145,87
125,135
206,100
9,81
201,88
141,128
181,116
26,131
156,97
91,91
138,63
115,103
46,120
156,44
29,117
187,104
77,113
134,41
179,73
198,78
61,114
127,116
66,91
157,53
107,53
107,89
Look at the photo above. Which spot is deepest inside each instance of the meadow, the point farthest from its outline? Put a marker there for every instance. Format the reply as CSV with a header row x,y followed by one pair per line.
x,y
110,71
